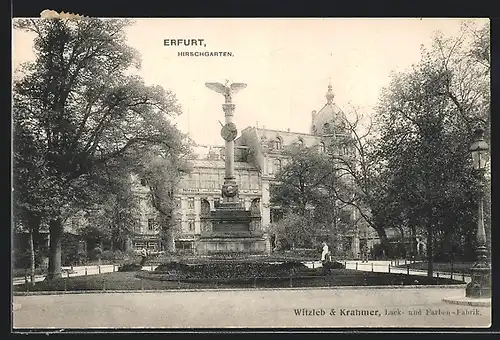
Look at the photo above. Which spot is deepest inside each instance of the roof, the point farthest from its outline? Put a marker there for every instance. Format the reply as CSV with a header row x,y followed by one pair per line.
x,y
330,113
219,164
267,136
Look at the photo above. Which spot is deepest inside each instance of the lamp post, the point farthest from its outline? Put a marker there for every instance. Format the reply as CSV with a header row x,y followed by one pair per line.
x,y
480,285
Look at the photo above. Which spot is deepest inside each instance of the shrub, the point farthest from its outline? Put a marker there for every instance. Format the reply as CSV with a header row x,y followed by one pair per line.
x,y
291,265
96,253
107,255
229,270
130,267
334,265
166,267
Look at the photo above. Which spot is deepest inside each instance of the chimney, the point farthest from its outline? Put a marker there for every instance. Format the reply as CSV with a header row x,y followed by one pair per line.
x,y
288,130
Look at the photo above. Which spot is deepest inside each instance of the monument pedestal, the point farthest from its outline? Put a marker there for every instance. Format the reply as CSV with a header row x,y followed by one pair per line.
x,y
229,245
231,229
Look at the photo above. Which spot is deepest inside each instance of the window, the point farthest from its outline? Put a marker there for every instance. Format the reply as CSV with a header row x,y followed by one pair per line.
x,y
151,224
191,225
245,180
277,165
276,215
344,150
326,127
278,143
178,203
321,147
191,203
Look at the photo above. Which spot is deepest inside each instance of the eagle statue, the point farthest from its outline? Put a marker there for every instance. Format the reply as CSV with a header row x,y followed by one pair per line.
x,y
226,90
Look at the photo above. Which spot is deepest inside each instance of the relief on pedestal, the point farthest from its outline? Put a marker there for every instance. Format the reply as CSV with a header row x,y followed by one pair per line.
x,y
206,224
255,207
205,208
255,225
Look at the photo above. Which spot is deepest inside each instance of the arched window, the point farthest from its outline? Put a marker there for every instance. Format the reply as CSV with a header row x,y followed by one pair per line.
x,y
278,143
326,127
277,165
321,147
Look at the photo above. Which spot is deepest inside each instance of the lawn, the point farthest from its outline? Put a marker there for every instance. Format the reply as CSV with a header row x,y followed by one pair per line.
x,y
456,267
131,281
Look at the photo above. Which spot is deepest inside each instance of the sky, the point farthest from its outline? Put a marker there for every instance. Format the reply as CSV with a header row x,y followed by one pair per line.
x,y
286,63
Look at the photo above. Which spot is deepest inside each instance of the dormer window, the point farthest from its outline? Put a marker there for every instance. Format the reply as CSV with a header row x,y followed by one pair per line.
x,y
321,147
326,127
144,182
278,143
300,142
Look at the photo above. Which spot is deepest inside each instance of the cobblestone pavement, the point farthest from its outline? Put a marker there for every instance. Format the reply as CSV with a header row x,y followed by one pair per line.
x,y
288,308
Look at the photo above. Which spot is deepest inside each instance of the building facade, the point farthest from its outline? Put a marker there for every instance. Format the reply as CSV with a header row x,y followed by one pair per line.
x,y
259,155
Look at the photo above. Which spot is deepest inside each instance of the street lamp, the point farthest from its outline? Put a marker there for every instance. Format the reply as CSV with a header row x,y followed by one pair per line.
x,y
480,285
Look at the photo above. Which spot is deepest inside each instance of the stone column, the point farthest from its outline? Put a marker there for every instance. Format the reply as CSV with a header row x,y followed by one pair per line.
x,y
228,112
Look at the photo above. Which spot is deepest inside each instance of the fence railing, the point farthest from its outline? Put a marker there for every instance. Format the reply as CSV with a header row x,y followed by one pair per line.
x,y
397,267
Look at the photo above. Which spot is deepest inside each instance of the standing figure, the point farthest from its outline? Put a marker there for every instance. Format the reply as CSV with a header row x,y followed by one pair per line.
x,y
144,256
326,253
325,259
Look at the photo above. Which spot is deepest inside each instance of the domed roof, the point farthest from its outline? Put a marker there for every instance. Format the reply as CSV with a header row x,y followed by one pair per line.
x,y
330,117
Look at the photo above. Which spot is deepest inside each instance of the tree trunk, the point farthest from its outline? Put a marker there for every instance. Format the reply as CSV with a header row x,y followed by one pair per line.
x,y
33,227
413,241
55,229
32,257
430,261
384,242
168,240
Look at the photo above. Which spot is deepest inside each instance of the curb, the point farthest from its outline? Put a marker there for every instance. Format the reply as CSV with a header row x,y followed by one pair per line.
x,y
458,286
464,301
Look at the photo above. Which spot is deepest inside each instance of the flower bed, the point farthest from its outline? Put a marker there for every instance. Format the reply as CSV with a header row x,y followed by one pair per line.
x,y
231,271
226,270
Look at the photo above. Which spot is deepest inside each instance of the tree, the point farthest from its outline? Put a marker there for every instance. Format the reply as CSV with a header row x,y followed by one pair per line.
x,y
293,230
353,175
297,183
161,173
301,189
76,104
115,218
426,119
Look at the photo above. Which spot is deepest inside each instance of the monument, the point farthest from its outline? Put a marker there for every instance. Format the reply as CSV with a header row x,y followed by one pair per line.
x,y
230,228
